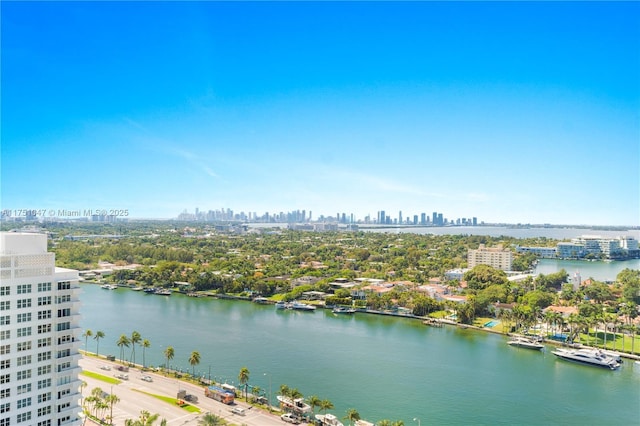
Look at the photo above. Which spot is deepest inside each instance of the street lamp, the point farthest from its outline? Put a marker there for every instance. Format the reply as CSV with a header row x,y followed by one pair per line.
x,y
415,419
269,402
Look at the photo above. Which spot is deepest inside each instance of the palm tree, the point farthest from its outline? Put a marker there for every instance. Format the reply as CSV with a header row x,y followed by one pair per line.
x,y
169,353
325,405
111,399
145,419
398,423
384,422
99,335
123,342
285,390
256,391
135,339
243,377
314,402
145,344
88,333
210,420
352,415
194,360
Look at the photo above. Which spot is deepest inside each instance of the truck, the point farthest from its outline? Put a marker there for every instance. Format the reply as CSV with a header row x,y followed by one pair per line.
x,y
184,396
219,394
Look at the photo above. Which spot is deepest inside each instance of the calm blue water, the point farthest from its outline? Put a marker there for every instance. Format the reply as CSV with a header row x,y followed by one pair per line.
x,y
384,367
601,271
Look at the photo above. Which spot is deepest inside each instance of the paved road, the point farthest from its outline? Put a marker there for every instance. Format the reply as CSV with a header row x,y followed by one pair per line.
x,y
132,402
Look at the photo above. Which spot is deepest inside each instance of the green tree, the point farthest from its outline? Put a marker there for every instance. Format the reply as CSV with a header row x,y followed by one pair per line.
x,y
123,342
194,359
99,335
352,415
87,333
211,420
243,377
314,402
325,405
482,276
169,353
135,339
145,344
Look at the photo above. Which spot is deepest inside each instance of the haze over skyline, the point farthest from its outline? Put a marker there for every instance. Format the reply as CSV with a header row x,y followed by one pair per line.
x,y
510,112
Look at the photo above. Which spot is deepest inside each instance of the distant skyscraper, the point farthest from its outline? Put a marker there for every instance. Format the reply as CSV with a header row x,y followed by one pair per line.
x,y
423,218
434,217
400,217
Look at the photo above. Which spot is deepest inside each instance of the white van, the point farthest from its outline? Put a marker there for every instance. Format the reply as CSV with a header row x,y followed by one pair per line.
x,y
238,410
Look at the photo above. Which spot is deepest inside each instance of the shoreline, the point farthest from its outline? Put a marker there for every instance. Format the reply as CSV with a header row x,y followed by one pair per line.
x,y
424,320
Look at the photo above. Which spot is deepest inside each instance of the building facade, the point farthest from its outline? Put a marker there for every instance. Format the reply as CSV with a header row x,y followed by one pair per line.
x,y
496,257
40,335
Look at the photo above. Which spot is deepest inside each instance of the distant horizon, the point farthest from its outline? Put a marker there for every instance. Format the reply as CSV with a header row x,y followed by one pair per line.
x,y
512,112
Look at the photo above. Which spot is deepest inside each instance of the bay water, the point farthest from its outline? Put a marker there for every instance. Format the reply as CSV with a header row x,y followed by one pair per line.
x,y
384,367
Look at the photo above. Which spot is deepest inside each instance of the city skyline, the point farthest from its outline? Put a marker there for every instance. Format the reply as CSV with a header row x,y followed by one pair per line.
x,y
509,112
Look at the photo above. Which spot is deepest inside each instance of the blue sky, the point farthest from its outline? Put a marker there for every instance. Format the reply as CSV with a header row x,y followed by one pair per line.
x,y
511,112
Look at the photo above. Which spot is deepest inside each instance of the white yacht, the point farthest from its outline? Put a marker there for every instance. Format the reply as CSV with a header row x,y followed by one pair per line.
x,y
587,356
297,405
109,286
328,420
302,306
524,342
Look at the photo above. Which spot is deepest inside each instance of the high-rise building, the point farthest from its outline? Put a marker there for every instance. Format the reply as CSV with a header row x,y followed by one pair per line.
x,y
40,335
423,218
496,257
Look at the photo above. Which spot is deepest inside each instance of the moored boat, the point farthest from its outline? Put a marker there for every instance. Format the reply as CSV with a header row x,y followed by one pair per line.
x,y
343,310
587,356
328,420
137,288
261,300
523,342
109,286
296,405
162,292
281,305
301,306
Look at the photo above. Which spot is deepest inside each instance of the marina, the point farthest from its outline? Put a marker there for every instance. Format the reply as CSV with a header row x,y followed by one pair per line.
x,y
458,376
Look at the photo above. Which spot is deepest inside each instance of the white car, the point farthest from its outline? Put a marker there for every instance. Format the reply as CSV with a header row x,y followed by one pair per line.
x,y
105,367
238,410
290,418
146,378
122,376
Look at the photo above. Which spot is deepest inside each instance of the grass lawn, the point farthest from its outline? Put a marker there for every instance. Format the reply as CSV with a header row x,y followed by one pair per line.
x,y
108,379
172,401
614,341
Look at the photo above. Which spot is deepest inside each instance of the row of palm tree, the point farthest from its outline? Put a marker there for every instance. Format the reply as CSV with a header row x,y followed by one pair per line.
x,y
88,333
602,323
125,341
98,402
194,358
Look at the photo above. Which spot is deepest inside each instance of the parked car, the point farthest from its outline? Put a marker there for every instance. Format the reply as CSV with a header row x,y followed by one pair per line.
x,y
290,418
146,378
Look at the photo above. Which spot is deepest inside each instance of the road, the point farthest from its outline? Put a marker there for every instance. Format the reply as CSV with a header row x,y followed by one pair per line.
x,y
132,401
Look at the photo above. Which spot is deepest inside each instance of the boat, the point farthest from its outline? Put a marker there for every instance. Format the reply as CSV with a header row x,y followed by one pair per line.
x,y
137,288
150,290
162,292
587,356
343,310
282,305
261,300
328,420
296,405
524,342
109,286
299,306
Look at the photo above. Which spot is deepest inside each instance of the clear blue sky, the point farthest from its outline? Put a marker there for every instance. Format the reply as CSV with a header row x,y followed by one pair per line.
x,y
511,112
